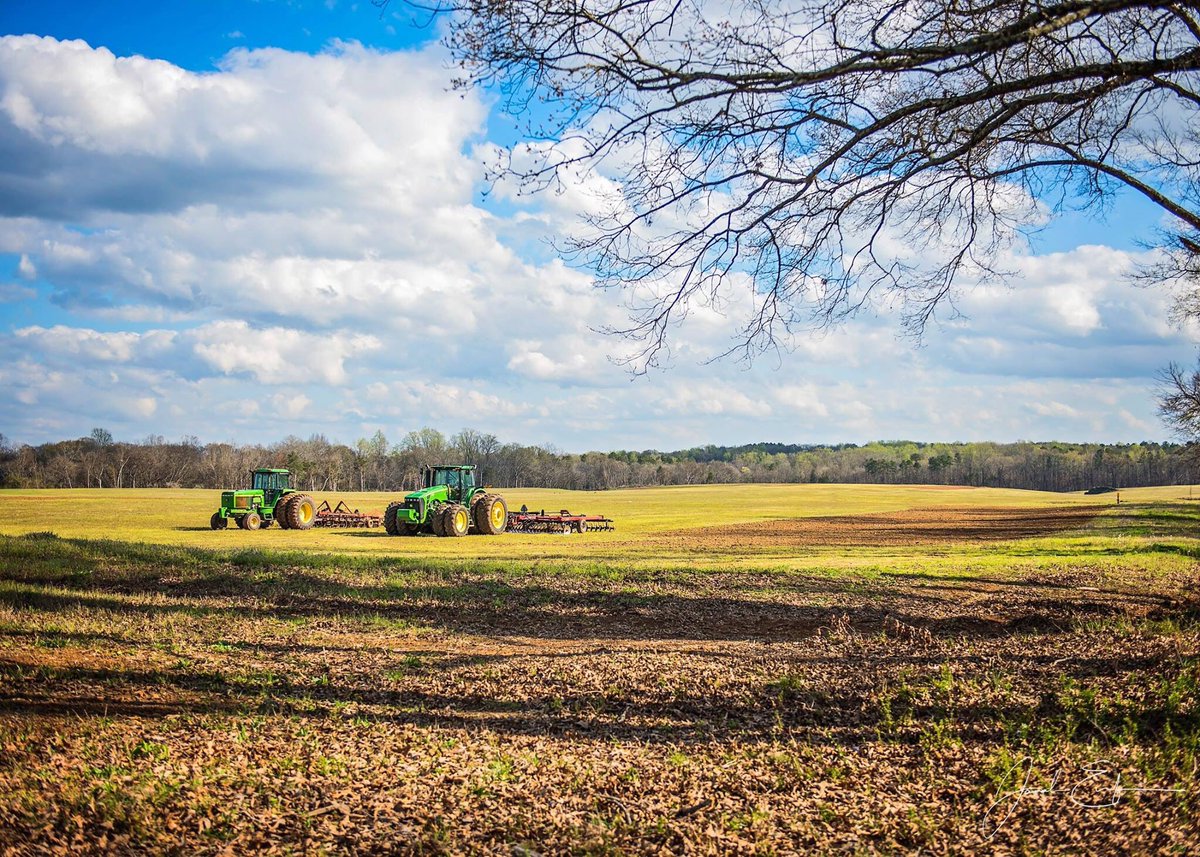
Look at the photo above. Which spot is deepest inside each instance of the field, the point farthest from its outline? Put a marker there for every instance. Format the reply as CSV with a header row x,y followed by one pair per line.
x,y
749,669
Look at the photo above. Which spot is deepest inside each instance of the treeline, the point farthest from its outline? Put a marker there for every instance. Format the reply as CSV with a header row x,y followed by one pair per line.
x,y
377,464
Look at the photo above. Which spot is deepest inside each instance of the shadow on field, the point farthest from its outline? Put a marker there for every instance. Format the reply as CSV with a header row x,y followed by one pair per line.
x,y
59,575
794,610
1164,520
831,660
843,707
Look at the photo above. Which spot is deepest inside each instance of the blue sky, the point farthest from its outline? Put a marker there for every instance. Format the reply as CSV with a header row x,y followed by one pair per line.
x,y
242,220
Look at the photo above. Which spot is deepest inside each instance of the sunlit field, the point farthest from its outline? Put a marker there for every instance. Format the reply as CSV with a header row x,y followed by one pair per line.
x,y
645,518
755,669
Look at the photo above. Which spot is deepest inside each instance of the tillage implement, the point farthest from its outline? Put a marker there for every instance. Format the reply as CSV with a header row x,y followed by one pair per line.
x,y
449,504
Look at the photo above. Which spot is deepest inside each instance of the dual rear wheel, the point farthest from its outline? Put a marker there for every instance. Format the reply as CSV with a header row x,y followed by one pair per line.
x,y
491,514
296,512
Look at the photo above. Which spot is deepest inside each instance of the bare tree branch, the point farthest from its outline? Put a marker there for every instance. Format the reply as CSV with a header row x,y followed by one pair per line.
x,y
828,154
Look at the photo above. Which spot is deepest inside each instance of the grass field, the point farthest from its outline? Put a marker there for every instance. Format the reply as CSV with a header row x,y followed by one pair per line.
x,y
736,669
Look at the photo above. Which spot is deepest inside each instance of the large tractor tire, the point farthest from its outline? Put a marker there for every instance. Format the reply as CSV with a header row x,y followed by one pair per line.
x,y
490,514
389,519
456,520
436,518
251,521
281,511
302,513
217,522
407,528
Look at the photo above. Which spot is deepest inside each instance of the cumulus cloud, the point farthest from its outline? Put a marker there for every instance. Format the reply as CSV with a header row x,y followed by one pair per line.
x,y
278,355
92,345
301,237
714,399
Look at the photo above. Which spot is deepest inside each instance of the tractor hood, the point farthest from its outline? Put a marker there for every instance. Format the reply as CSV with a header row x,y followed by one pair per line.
x,y
434,492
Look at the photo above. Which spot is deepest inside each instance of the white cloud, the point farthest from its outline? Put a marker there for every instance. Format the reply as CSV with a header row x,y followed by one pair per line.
x,y
291,407
1053,409
713,399
311,223
278,355
93,345
801,398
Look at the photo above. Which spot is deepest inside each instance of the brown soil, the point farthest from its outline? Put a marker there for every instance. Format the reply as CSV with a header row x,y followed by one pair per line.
x,y
210,710
911,527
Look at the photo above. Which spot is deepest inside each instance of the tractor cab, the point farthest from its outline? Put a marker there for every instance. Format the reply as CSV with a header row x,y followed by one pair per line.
x,y
460,479
272,482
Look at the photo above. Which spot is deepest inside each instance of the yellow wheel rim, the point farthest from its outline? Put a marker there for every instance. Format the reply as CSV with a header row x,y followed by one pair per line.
x,y
498,515
305,512
460,520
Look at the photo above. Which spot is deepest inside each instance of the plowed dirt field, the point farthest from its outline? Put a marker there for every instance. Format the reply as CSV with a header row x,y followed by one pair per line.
x,y
1037,695
910,527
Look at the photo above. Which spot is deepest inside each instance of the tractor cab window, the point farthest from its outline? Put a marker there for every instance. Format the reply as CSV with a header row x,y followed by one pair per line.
x,y
460,482
270,481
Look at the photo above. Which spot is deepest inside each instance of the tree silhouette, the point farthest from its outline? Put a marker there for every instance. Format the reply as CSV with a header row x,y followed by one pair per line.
x,y
809,158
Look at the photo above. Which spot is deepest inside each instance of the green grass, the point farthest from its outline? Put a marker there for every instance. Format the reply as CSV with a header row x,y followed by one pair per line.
x,y
180,516
178,519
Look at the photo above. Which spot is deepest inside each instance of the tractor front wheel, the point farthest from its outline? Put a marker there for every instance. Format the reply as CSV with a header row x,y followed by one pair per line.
x,y
389,519
217,522
251,521
491,514
437,518
302,513
455,520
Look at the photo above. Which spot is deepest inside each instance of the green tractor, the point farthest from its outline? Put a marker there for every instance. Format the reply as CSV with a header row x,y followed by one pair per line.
x,y
270,498
450,504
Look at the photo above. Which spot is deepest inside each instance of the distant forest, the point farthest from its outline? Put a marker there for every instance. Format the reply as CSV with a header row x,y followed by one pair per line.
x,y
377,464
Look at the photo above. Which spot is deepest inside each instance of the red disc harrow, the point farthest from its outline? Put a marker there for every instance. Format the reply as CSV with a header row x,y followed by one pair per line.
x,y
561,522
342,515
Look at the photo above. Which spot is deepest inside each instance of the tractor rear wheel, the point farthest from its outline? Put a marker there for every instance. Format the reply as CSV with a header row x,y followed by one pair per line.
x,y
389,519
491,514
281,511
251,521
217,522
456,520
302,513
